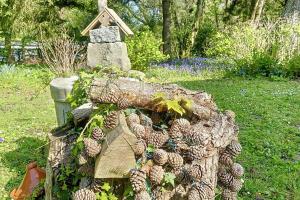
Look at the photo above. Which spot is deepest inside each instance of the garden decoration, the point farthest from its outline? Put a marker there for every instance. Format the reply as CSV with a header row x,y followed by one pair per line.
x,y
146,141
34,175
106,47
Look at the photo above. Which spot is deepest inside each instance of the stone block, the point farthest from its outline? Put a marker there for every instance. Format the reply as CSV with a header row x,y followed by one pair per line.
x,y
103,34
108,54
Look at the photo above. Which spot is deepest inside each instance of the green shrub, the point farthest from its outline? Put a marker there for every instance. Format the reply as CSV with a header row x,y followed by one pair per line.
x,y
260,64
206,31
143,49
293,67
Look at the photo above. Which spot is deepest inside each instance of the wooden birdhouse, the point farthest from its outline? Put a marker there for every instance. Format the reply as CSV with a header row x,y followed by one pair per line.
x,y
107,17
117,156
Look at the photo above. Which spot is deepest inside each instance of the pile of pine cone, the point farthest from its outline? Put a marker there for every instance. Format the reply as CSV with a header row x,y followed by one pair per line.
x,y
177,149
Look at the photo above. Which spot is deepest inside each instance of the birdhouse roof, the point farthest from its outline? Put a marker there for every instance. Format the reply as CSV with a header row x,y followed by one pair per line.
x,y
113,16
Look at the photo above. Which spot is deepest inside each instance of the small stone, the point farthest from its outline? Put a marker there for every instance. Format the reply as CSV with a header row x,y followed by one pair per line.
x,y
105,34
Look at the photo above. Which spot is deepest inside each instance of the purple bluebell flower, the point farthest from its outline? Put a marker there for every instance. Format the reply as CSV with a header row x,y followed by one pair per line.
x,y
191,65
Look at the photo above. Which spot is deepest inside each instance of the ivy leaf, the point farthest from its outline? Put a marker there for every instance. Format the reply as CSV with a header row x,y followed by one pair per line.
x,y
111,196
150,148
159,96
169,178
106,187
103,196
175,106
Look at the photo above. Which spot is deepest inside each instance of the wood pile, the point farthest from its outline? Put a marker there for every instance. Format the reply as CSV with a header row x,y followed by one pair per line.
x,y
142,142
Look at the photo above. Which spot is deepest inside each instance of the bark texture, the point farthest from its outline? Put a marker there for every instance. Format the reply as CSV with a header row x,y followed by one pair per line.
x,y
166,7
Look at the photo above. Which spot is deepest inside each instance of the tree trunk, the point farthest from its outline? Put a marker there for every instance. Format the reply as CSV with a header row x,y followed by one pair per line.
x,y
257,11
197,21
292,11
166,7
8,48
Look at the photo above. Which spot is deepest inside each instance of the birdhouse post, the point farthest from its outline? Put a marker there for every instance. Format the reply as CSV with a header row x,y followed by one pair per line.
x,y
107,47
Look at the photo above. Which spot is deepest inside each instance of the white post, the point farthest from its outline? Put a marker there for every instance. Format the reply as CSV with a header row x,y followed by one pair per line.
x,y
102,4
60,89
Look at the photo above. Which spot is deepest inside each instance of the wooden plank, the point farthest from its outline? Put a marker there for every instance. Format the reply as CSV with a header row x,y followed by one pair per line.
x,y
117,156
113,16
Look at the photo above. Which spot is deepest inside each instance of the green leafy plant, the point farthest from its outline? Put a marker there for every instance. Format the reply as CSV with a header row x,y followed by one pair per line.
x,y
106,193
293,67
169,179
143,49
177,105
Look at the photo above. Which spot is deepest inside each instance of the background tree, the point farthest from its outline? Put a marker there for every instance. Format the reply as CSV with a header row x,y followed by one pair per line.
x,y
166,35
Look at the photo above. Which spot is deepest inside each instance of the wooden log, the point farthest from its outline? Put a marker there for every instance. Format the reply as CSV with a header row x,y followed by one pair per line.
x,y
141,95
82,113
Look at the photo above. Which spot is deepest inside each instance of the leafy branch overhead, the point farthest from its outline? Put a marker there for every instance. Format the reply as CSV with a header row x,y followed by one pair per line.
x,y
176,105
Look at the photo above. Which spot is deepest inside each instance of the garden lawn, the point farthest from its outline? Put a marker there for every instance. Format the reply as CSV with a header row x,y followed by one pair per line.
x,y
25,120
268,113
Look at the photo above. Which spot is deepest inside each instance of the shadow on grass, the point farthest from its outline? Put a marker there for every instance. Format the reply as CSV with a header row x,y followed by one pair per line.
x,y
18,159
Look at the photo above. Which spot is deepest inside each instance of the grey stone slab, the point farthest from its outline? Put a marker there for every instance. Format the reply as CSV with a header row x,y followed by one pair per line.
x,y
108,54
108,34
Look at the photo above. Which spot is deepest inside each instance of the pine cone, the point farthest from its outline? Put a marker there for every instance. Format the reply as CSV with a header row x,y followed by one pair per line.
x,y
133,119
98,134
179,127
123,103
182,174
196,153
230,115
175,160
138,180
145,120
138,130
160,157
156,174
237,170
234,148
195,171
226,159
92,148
229,195
157,139
82,158
140,147
236,185
110,94
84,194
112,120
225,178
180,147
197,135
142,195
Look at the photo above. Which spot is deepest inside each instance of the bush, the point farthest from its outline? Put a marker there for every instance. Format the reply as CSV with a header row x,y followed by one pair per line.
x,y
206,31
293,67
260,64
259,50
143,49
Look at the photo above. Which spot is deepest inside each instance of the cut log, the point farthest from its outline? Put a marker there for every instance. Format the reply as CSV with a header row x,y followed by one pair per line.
x,y
82,113
141,95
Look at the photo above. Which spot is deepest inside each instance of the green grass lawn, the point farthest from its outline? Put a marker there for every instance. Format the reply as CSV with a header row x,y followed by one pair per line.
x,y
268,113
